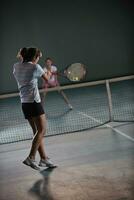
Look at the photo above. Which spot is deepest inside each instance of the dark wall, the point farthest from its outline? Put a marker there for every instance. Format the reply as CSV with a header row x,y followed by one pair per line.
x,y
97,33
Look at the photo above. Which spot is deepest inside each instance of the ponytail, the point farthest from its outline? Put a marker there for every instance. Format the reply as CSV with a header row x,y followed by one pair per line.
x,y
22,52
29,54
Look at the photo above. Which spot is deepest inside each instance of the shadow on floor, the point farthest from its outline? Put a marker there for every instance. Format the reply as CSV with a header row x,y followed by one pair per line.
x,y
41,188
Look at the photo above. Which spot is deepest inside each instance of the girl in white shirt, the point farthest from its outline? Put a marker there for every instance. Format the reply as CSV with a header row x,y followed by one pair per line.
x,y
27,72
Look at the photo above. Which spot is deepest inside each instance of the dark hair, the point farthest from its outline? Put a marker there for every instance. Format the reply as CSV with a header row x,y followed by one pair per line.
x,y
48,58
23,52
30,53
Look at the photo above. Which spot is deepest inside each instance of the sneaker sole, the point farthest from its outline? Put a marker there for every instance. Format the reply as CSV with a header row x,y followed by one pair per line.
x,y
49,166
33,167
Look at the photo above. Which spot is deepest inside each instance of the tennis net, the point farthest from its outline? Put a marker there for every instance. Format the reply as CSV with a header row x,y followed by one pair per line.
x,y
94,104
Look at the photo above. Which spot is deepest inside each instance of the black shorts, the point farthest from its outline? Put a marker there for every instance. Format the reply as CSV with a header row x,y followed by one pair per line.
x,y
32,109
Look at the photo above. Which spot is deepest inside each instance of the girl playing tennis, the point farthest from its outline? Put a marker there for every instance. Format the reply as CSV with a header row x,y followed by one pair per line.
x,y
26,74
53,81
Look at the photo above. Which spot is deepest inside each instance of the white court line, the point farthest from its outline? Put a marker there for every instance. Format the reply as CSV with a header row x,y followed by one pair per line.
x,y
108,126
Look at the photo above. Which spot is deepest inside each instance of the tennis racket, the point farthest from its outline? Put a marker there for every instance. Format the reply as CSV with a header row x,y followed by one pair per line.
x,y
74,72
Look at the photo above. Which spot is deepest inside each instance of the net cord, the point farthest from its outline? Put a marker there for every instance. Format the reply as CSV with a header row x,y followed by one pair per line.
x,y
92,83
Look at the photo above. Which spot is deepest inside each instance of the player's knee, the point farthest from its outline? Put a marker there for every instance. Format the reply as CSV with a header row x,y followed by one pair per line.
x,y
42,131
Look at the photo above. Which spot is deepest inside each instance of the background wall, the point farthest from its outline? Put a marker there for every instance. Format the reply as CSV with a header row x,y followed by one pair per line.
x,y
97,33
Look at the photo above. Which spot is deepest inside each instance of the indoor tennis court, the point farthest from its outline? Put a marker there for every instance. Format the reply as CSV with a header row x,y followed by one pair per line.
x,y
91,142
94,163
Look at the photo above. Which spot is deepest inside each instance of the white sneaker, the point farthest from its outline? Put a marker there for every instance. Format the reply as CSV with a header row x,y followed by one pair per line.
x,y
31,163
70,106
46,163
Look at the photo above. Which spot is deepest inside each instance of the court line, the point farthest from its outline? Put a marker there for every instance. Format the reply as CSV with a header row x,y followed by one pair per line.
x,y
108,126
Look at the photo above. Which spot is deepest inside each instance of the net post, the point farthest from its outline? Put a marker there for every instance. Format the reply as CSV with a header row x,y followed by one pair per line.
x,y
110,106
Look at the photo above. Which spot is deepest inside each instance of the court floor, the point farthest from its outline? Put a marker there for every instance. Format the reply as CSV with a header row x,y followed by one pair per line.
x,y
92,165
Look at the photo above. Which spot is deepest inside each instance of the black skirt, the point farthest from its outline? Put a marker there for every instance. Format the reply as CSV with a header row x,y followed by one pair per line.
x,y
32,109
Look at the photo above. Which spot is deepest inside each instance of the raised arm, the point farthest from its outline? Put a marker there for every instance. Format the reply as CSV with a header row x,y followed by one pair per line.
x,y
47,75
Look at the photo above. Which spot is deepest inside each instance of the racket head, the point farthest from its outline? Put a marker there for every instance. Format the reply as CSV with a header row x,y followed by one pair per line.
x,y
75,72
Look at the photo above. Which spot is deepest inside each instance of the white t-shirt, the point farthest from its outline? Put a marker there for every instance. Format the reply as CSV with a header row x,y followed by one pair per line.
x,y
26,75
53,78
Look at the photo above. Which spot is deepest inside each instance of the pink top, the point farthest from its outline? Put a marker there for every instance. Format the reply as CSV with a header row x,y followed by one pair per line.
x,y
52,82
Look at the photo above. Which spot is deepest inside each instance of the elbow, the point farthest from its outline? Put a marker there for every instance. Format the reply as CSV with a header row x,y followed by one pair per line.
x,y
45,77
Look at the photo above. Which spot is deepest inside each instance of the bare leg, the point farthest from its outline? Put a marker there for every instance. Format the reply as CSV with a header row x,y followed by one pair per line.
x,y
43,96
41,149
64,95
65,98
40,123
60,91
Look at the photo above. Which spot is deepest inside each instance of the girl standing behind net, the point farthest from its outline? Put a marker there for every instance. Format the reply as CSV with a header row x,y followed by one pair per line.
x,y
53,81
26,74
